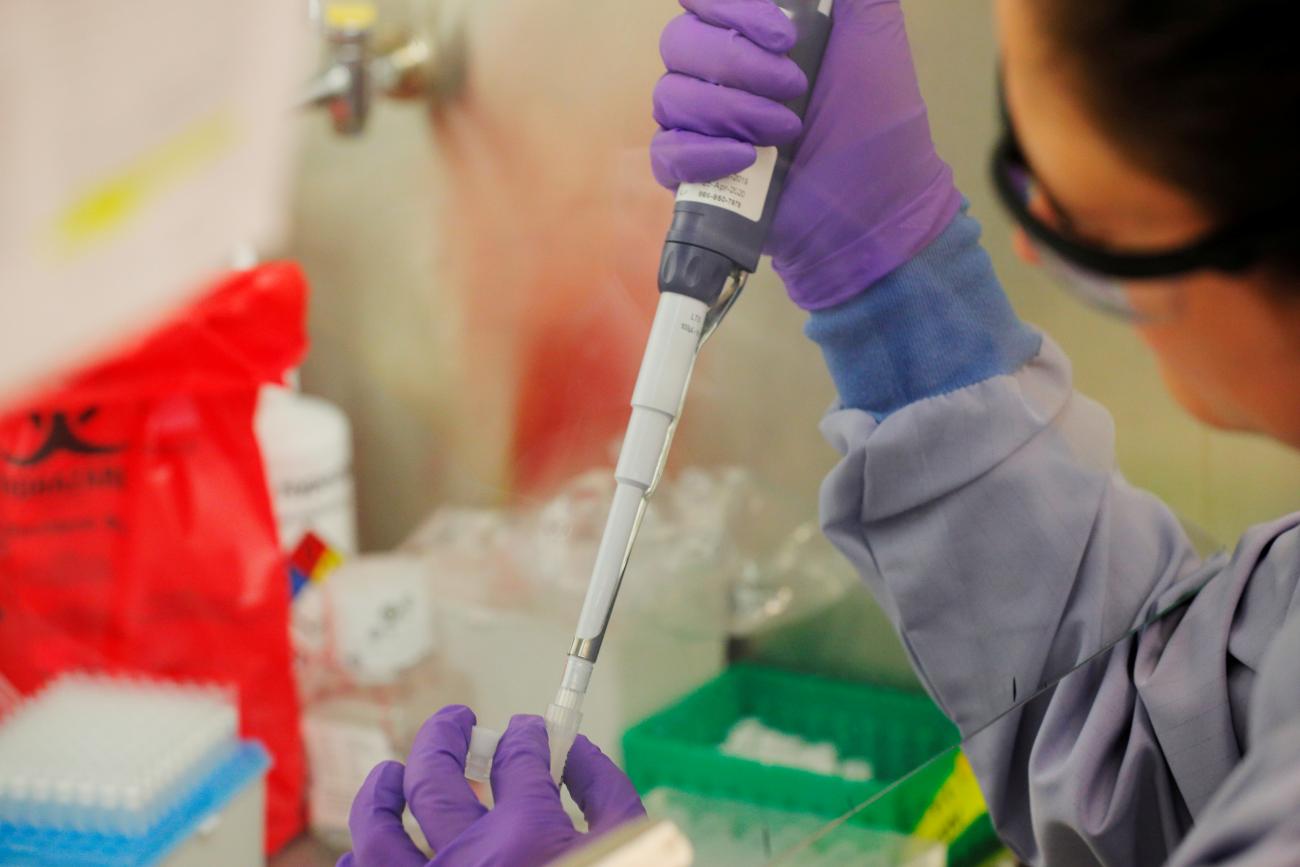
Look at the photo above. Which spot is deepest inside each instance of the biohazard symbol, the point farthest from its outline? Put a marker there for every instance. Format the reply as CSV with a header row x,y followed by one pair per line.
x,y
61,437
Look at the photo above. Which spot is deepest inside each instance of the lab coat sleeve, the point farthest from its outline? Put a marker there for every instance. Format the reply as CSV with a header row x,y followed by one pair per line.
x,y
978,497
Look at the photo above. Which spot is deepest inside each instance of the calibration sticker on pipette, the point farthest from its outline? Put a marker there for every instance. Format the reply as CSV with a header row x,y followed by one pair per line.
x,y
743,193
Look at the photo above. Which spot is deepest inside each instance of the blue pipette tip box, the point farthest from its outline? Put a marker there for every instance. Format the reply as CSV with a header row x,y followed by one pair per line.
x,y
234,772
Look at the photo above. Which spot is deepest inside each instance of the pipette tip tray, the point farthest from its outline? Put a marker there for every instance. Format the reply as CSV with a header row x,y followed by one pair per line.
x,y
102,770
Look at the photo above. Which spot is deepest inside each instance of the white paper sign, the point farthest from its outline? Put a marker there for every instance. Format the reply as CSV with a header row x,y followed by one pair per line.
x,y
143,141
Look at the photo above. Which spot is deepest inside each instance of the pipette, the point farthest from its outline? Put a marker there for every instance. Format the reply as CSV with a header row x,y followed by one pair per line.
x,y
714,244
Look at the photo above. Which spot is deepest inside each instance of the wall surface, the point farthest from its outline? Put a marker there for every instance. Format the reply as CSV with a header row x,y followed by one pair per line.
x,y
453,261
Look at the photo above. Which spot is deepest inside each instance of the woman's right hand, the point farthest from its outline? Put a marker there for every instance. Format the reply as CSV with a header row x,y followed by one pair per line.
x,y
867,191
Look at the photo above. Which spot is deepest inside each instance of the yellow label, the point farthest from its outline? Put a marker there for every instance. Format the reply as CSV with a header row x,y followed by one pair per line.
x,y
956,805
111,204
349,15
328,562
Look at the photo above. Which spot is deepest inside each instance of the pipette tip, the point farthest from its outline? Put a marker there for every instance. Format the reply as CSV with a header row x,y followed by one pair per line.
x,y
562,720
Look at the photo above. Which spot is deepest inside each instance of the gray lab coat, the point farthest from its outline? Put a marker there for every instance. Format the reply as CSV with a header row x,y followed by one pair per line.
x,y
993,527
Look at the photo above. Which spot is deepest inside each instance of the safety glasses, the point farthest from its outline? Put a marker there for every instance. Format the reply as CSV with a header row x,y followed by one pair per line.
x,y
1099,276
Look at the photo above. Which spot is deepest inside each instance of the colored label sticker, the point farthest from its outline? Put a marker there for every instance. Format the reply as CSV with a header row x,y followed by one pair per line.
x,y
743,193
955,807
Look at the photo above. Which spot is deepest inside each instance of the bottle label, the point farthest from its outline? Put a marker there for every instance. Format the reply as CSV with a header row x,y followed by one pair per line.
x,y
341,754
381,615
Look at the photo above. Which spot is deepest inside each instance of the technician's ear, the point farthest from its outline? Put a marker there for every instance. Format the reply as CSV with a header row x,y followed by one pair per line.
x,y
1025,249
1041,207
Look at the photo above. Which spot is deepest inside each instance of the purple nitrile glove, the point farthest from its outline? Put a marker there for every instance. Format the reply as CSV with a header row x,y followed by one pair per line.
x,y
527,826
867,191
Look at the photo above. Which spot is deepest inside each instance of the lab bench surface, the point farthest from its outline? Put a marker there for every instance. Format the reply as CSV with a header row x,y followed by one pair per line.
x,y
307,852
304,852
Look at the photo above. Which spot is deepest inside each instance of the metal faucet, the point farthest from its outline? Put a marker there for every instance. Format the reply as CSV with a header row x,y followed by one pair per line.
x,y
356,70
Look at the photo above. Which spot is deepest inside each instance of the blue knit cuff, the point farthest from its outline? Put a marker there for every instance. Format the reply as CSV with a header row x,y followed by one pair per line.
x,y
937,324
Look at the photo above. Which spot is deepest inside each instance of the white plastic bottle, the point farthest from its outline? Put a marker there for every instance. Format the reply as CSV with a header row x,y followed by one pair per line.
x,y
306,445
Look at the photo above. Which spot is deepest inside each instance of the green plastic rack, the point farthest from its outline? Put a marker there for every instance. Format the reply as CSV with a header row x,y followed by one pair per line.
x,y
895,731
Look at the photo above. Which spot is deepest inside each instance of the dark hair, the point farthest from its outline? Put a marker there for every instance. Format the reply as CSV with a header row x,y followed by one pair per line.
x,y
1204,94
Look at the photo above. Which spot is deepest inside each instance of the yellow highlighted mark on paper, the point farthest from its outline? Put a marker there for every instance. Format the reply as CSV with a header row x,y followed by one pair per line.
x,y
956,805
110,205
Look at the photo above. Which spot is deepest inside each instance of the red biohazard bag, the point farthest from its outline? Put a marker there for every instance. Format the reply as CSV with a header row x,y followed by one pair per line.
x,y
136,531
